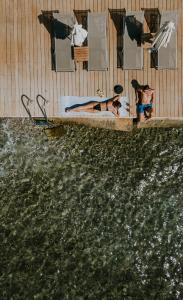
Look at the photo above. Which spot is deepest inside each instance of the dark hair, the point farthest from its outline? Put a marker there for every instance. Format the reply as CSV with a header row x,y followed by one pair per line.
x,y
146,87
117,104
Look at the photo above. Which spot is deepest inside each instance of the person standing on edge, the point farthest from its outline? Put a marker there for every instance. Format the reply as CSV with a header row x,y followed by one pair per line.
x,y
145,99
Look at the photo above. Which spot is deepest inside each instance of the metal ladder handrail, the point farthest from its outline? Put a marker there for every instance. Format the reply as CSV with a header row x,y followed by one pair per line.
x,y
48,124
26,105
43,110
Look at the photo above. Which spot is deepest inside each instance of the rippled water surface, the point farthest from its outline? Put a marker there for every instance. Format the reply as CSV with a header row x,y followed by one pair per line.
x,y
96,214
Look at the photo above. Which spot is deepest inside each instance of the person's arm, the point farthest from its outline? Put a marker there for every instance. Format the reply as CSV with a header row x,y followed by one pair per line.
x,y
116,113
115,98
136,94
153,96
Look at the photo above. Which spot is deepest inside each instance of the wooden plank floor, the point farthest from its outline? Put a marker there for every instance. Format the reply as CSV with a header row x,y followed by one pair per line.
x,y
25,59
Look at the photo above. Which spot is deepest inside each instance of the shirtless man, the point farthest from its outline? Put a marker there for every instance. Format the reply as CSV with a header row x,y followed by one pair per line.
x,y
111,105
145,98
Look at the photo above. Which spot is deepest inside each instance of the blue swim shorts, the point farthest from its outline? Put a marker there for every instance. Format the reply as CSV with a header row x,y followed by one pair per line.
x,y
142,107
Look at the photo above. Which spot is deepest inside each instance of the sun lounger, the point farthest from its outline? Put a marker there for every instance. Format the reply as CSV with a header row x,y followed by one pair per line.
x,y
118,16
132,50
97,42
167,57
62,25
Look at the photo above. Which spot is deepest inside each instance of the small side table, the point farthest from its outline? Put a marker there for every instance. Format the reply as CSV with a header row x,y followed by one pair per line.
x,y
81,54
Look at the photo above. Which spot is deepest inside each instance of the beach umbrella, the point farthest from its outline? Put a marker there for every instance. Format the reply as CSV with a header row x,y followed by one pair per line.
x,y
79,35
163,36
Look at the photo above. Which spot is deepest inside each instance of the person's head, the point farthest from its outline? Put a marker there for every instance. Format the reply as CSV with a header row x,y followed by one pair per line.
x,y
117,104
146,87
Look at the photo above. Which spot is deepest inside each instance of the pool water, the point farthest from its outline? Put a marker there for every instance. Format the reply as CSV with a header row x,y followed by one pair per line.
x,y
96,214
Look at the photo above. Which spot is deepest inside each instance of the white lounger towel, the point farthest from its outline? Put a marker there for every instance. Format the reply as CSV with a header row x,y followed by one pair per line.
x,y
67,101
167,57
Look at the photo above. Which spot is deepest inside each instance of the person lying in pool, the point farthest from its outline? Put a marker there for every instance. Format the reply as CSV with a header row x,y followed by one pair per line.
x,y
145,99
112,105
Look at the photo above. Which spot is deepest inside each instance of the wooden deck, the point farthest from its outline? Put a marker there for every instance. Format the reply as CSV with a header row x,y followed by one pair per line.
x,y
25,59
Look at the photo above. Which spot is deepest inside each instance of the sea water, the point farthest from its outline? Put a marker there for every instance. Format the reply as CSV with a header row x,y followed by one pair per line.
x,y
96,214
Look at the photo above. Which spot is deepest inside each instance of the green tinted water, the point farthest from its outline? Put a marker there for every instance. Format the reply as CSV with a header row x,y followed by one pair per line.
x,y
94,215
